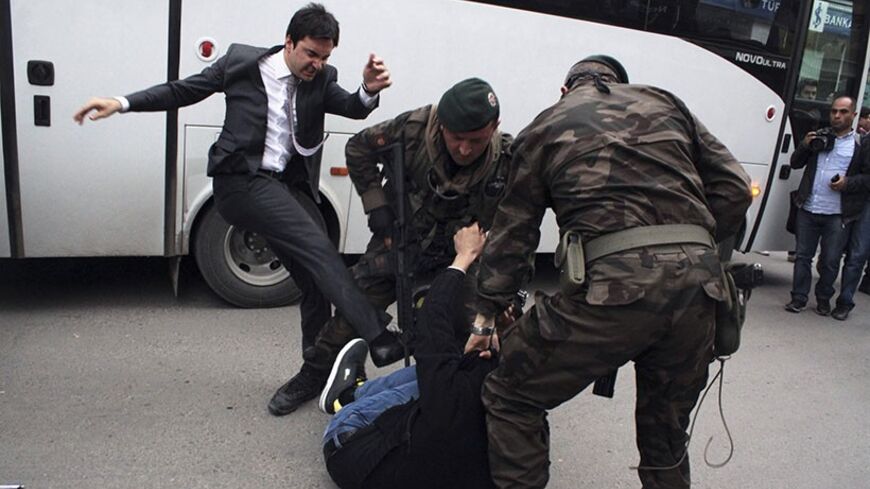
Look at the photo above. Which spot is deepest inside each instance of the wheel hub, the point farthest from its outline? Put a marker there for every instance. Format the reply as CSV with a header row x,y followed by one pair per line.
x,y
250,258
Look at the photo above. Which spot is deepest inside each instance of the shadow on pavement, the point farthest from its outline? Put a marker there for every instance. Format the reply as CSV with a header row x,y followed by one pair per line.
x,y
95,282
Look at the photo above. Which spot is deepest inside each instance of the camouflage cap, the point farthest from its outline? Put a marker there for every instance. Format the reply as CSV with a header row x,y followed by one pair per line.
x,y
583,65
468,106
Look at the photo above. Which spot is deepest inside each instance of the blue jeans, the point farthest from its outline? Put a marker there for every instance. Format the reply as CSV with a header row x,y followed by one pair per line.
x,y
812,228
859,250
371,399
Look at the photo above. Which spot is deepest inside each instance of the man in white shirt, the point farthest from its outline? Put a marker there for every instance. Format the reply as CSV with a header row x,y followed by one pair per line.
x,y
830,197
266,162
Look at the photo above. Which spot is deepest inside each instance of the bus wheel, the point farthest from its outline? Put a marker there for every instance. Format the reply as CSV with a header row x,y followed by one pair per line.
x,y
239,266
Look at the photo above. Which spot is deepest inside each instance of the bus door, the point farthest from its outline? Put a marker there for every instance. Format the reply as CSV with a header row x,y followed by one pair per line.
x,y
865,102
78,196
5,251
833,61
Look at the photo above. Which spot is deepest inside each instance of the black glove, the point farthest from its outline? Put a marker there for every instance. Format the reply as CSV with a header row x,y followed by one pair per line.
x,y
381,221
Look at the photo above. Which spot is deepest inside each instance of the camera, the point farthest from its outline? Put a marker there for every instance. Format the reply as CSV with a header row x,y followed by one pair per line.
x,y
823,140
746,276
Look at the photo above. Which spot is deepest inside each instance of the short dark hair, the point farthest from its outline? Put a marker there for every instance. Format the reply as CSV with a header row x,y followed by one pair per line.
x,y
865,111
853,102
603,65
806,82
313,21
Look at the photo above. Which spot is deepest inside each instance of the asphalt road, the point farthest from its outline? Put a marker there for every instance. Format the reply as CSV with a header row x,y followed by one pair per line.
x,y
108,381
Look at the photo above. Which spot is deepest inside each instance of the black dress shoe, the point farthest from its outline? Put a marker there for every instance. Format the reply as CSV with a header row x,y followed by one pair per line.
x,y
386,349
304,386
309,353
841,312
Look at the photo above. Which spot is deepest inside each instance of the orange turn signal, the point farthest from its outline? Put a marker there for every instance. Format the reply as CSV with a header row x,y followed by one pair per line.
x,y
338,171
755,189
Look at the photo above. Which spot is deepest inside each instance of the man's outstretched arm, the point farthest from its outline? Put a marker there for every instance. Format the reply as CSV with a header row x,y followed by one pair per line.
x,y
165,96
435,332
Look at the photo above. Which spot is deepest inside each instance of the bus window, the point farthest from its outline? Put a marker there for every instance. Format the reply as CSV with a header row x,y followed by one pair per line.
x,y
766,24
831,63
756,35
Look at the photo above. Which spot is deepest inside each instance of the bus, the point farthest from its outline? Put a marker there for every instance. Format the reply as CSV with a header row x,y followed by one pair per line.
x,y
135,184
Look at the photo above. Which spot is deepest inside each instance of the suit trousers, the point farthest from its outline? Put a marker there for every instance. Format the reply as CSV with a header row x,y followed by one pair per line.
x,y
287,218
375,275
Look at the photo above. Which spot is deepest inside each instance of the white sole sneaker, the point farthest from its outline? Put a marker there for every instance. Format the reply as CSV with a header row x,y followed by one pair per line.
x,y
344,372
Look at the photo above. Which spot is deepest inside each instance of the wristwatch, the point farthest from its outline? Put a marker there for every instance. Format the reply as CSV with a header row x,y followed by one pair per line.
x,y
482,330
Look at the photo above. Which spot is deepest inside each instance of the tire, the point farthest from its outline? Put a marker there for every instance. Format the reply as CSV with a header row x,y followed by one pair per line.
x,y
239,266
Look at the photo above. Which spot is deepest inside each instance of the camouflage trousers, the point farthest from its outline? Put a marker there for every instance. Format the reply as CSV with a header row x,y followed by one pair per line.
x,y
375,275
655,307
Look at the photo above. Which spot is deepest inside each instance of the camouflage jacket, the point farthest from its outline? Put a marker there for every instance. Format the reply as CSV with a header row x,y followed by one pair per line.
x,y
474,191
605,163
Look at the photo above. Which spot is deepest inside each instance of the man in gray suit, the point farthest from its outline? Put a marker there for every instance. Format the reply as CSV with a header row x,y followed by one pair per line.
x,y
266,165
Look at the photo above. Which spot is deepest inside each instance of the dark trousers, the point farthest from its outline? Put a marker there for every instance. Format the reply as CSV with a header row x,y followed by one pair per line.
x,y
811,230
856,258
654,308
375,275
350,465
287,218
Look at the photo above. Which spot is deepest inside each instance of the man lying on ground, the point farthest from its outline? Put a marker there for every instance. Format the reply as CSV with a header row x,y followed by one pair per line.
x,y
421,426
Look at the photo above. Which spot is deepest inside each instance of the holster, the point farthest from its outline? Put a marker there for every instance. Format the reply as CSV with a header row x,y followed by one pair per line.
x,y
570,259
739,279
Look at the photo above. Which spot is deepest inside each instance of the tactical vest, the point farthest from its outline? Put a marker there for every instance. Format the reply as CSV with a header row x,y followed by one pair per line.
x,y
436,216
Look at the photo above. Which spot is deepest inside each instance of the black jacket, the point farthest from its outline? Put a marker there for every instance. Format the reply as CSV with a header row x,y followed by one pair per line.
x,y
854,196
239,149
441,436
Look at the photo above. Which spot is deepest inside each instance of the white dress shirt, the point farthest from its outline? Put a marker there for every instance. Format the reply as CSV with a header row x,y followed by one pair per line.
x,y
280,146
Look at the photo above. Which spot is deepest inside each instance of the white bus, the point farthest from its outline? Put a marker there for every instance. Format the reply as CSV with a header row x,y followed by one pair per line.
x,y
135,185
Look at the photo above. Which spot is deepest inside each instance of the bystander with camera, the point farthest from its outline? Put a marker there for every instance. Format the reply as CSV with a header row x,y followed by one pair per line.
x,y
830,197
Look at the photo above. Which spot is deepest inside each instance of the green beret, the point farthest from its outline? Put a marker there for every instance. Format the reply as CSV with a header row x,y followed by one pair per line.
x,y
468,106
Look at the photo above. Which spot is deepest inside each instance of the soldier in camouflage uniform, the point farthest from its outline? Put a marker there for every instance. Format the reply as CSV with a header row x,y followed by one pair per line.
x,y
456,165
607,157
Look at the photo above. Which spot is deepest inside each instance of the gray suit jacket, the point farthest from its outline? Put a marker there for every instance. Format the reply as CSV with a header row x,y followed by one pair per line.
x,y
239,149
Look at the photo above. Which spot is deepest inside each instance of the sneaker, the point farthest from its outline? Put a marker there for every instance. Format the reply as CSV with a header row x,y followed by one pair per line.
x,y
348,371
303,387
841,312
795,306
823,308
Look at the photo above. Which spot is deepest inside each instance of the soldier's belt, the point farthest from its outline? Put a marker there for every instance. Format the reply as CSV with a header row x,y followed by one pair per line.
x,y
572,255
640,237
